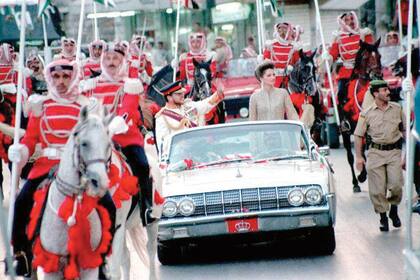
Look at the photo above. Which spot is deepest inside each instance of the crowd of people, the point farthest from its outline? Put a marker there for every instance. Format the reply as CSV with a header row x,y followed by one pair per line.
x,y
116,75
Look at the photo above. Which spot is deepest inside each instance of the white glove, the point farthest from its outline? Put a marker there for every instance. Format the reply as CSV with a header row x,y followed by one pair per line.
x,y
87,85
407,85
289,69
8,88
260,58
18,154
133,86
174,63
117,126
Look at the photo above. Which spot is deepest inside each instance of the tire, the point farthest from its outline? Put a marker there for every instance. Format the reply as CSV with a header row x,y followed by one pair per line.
x,y
324,241
170,254
332,134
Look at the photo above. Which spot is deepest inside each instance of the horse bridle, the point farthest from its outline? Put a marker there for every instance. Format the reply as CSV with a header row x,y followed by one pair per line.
x,y
81,164
199,85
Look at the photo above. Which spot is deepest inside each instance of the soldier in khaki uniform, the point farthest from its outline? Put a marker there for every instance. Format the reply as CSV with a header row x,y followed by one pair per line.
x,y
383,123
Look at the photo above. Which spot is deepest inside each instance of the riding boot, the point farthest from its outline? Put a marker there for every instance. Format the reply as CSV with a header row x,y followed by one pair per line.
x,y
416,207
107,202
384,226
146,200
393,215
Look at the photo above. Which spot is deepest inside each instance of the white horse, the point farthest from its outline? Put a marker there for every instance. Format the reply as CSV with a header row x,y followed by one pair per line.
x,y
82,169
120,257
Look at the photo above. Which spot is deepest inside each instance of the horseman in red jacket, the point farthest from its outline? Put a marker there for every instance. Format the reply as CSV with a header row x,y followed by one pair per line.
x,y
121,95
345,45
199,52
51,121
68,49
92,64
282,53
140,65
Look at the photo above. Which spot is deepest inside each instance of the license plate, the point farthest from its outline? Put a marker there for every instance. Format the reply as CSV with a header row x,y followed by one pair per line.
x,y
242,225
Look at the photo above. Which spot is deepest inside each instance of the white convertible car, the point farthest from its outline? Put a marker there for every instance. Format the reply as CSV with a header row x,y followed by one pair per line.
x,y
244,182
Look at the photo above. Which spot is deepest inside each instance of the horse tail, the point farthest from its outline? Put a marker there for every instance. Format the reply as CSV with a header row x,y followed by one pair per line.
x,y
139,241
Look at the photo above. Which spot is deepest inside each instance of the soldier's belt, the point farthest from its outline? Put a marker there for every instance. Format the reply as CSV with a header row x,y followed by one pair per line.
x,y
387,147
51,153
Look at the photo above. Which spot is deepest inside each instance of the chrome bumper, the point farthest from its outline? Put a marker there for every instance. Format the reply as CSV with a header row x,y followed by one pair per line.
x,y
276,220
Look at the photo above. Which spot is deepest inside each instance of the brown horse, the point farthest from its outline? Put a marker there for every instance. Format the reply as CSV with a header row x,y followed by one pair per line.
x,y
367,67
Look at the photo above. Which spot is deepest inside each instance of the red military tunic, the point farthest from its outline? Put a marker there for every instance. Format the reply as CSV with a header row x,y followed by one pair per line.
x,y
90,65
8,75
127,107
52,129
346,46
138,66
186,66
282,55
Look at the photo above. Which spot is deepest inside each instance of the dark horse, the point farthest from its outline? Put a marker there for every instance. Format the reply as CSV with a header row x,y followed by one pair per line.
x,y
367,67
303,88
201,88
7,113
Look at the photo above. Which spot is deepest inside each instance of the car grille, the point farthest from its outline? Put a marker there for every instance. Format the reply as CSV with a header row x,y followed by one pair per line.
x,y
242,201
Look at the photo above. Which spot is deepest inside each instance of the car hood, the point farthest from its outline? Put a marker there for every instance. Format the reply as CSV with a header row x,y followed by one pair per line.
x,y
245,175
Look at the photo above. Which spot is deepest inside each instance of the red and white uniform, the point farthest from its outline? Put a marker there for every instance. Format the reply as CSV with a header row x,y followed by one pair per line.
x,y
346,44
52,129
126,106
91,64
282,54
186,66
138,67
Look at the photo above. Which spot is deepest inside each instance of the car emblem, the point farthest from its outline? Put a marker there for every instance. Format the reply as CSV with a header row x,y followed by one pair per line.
x,y
238,173
242,226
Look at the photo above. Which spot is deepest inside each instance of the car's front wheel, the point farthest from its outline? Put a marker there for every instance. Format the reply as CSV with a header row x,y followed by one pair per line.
x,y
324,240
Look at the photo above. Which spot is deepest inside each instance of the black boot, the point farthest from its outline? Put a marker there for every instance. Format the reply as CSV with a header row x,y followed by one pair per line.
x,y
22,264
384,222
393,215
416,207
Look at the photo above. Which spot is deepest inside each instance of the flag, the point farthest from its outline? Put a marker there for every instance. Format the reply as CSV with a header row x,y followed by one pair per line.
x,y
275,11
191,4
42,6
107,3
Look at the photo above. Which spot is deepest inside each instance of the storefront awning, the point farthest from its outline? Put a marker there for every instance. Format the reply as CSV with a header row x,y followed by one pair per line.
x,y
342,5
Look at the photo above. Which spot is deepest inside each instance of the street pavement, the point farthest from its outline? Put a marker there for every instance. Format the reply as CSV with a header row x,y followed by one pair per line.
x,y
362,252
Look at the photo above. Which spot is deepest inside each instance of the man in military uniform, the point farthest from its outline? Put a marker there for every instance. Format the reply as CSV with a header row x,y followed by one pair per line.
x,y
36,65
179,114
384,125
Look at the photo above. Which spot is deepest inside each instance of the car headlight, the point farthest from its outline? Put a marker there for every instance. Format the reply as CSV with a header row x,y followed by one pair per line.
x,y
186,207
243,112
296,197
170,209
313,196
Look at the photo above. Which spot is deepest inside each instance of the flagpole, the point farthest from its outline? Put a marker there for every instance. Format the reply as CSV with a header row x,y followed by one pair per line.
x,y
47,54
409,149
16,139
400,25
257,4
327,63
95,22
176,34
143,33
262,21
79,34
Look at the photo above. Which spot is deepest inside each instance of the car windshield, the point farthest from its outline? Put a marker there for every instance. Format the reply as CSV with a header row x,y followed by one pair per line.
x,y
242,67
232,144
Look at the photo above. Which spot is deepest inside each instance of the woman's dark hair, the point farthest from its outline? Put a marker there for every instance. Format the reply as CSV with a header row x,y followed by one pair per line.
x,y
259,72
